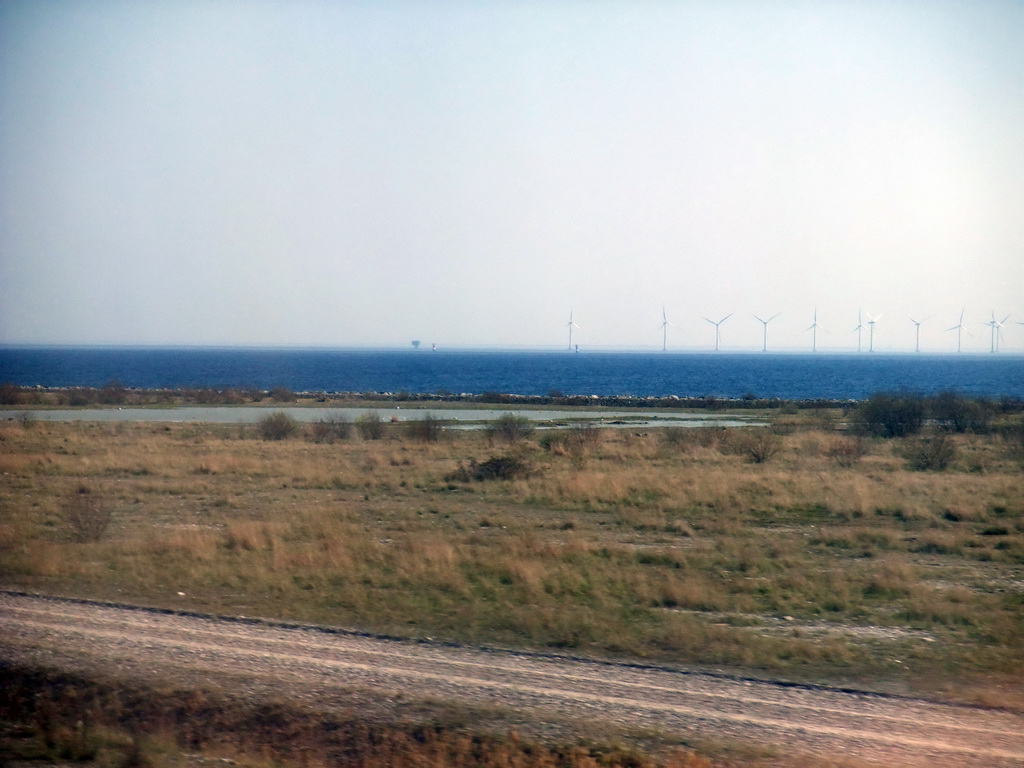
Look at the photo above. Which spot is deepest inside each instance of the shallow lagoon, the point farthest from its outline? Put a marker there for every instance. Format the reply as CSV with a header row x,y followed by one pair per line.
x,y
470,418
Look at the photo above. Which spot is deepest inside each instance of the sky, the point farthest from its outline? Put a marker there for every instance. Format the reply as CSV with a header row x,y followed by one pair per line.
x,y
349,173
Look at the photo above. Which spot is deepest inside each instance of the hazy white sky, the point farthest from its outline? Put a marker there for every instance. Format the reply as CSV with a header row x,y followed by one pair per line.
x,y
466,173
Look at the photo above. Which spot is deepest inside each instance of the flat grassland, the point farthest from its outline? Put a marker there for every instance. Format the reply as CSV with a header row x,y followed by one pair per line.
x,y
828,560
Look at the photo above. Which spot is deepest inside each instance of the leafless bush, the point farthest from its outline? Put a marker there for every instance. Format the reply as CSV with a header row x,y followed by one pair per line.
x,y
847,451
785,424
282,395
575,439
10,394
507,467
370,426
87,515
709,437
425,430
510,428
957,413
330,429
935,452
676,437
586,435
1012,439
891,414
277,426
757,445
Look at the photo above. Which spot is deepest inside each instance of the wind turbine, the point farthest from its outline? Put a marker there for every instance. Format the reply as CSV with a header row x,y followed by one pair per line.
x,y
917,338
859,329
571,326
997,330
871,332
764,345
813,328
959,327
718,328
665,324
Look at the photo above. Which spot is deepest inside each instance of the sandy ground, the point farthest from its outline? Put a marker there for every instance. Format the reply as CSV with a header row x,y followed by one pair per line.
x,y
319,668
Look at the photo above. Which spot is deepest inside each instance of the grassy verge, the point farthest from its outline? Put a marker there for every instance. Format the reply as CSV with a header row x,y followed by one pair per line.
x,y
826,560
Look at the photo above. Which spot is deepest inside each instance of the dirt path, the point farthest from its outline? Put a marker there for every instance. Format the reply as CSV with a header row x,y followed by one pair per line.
x,y
318,667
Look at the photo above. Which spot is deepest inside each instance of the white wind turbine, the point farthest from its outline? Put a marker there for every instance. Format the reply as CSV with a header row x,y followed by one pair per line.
x,y
870,332
718,328
764,344
859,329
813,328
997,330
665,325
959,328
917,337
571,326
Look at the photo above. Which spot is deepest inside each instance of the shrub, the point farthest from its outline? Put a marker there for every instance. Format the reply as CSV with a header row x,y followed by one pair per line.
x,y
586,435
676,437
370,426
847,451
889,414
576,442
79,396
1012,439
330,429
936,452
426,430
10,394
956,413
277,426
510,428
785,425
114,393
757,445
282,395
87,515
507,467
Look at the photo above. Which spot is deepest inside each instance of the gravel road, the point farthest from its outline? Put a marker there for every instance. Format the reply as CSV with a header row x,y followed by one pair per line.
x,y
318,667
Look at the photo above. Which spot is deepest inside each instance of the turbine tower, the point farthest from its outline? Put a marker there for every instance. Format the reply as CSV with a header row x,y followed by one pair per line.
x,y
665,324
859,329
764,343
917,337
959,327
871,332
997,330
718,328
571,326
813,328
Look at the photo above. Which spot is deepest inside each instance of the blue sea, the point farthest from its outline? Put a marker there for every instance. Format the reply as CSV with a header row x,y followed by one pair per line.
x,y
793,376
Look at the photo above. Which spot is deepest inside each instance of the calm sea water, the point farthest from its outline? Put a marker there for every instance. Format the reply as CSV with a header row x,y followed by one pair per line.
x,y
796,376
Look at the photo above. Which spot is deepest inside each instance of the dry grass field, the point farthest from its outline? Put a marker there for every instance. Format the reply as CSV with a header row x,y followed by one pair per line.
x,y
828,560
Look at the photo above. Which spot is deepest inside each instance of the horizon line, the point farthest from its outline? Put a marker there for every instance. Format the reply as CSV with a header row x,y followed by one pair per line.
x,y
552,348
